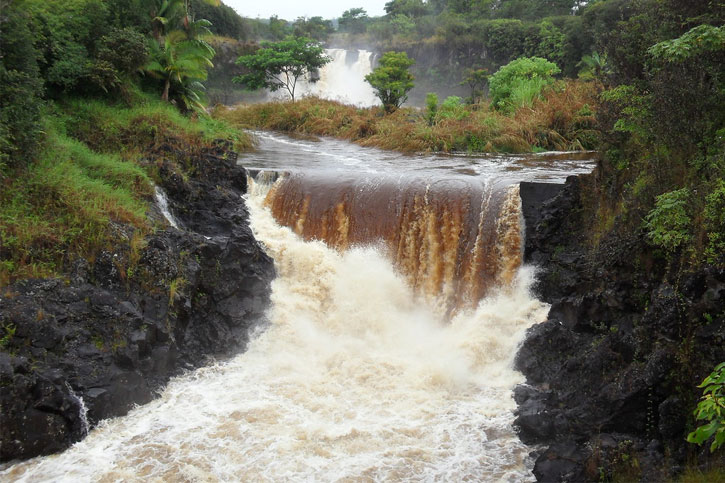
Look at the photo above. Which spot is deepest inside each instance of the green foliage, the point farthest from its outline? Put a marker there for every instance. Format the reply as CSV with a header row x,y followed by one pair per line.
x,y
225,21
181,61
125,49
408,8
65,34
391,79
315,28
715,222
119,55
711,408
180,54
431,107
21,88
519,81
592,66
354,21
279,65
697,41
669,223
476,80
453,108
8,333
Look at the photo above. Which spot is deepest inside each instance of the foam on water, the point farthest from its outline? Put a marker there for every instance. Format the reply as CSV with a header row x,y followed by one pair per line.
x,y
353,379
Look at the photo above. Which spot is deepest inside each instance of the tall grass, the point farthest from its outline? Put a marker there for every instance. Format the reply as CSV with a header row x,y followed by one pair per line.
x,y
95,169
147,123
60,207
558,120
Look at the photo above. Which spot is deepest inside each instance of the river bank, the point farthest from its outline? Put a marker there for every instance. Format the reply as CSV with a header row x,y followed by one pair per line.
x,y
91,330
563,120
612,373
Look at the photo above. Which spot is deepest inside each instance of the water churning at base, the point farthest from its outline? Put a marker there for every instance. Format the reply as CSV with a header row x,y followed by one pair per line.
x,y
355,378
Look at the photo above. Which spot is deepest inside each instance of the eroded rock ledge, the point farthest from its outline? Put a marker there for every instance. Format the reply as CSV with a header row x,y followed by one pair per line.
x,y
612,374
113,332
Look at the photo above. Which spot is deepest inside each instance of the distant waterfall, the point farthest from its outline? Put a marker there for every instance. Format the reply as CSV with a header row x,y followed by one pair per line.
x,y
342,80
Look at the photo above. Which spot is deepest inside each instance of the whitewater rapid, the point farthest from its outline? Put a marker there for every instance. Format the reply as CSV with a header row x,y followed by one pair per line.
x,y
353,378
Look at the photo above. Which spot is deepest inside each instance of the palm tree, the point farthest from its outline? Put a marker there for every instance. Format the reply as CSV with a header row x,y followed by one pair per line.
x,y
179,59
180,55
594,65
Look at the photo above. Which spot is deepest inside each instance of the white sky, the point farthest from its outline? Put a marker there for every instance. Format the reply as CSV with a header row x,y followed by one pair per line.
x,y
291,9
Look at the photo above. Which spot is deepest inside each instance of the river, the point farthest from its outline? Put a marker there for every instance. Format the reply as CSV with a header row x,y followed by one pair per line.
x,y
377,361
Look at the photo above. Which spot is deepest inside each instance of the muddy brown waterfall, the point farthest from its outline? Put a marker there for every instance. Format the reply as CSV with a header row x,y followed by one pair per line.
x,y
453,239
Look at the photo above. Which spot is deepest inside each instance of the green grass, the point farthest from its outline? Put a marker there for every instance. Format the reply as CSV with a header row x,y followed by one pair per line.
x,y
60,207
715,475
119,128
95,167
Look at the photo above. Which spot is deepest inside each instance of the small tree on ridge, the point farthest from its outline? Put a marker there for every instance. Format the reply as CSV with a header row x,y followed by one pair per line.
x,y
279,65
391,79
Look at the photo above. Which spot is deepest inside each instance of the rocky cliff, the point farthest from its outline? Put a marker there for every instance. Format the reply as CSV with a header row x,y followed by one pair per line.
x,y
612,374
109,336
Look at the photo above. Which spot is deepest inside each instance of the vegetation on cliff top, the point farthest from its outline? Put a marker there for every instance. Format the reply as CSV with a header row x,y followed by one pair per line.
x,y
80,129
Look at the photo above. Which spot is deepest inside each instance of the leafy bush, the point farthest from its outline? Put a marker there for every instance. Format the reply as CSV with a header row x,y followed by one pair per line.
x,y
520,81
711,408
21,88
431,107
125,49
66,34
453,108
715,222
669,222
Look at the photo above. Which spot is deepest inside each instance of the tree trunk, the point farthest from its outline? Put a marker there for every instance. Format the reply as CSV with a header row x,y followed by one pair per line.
x,y
165,95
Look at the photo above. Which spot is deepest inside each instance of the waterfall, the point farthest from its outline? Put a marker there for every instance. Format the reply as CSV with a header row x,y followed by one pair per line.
x,y
454,239
357,377
343,79
163,204
82,409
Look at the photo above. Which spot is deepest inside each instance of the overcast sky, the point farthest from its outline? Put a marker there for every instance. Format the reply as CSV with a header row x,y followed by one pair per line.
x,y
291,9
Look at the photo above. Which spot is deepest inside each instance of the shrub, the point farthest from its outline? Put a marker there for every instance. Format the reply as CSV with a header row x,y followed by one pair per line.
x,y
715,222
669,222
453,108
519,81
431,106
21,88
711,408
125,49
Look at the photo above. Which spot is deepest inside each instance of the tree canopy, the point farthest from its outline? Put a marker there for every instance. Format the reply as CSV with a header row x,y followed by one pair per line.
x,y
280,65
391,79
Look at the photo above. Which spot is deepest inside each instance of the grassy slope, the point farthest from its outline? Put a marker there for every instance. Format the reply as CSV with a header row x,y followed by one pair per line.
x,y
562,120
96,166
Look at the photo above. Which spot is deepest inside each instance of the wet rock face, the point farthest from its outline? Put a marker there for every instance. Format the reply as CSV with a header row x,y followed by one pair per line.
x,y
612,374
108,337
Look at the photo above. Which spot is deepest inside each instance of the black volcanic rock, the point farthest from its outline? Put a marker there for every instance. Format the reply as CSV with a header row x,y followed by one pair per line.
x,y
612,374
110,338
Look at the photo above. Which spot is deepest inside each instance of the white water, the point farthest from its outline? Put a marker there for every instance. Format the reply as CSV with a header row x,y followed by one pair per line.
x,y
353,380
82,410
340,80
163,204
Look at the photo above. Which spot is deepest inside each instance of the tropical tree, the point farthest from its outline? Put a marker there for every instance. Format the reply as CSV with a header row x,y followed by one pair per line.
x,y
476,80
182,63
391,79
353,21
180,55
592,66
279,65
